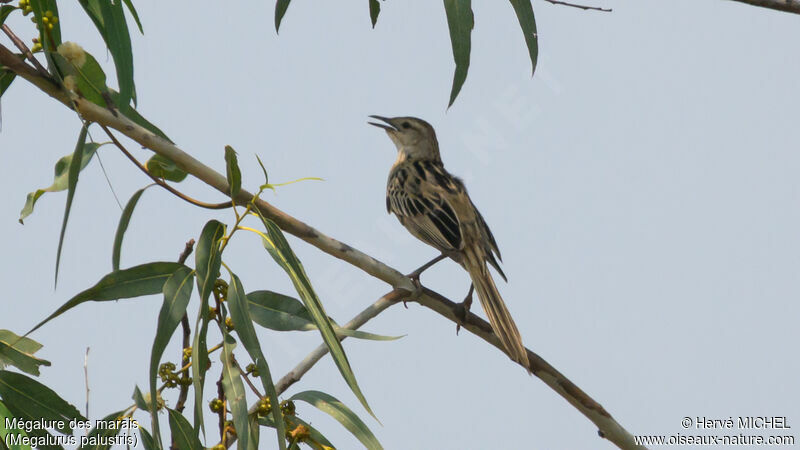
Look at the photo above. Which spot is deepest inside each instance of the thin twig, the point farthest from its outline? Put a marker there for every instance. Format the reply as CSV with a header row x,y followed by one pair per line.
x,y
363,317
25,50
159,181
86,378
575,5
183,392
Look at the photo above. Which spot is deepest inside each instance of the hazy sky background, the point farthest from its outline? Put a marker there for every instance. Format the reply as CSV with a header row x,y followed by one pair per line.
x,y
643,188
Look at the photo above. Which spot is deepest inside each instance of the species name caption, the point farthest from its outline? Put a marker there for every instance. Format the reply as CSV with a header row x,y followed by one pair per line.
x,y
43,424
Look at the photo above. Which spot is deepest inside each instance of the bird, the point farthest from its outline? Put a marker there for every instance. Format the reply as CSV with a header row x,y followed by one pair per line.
x,y
434,206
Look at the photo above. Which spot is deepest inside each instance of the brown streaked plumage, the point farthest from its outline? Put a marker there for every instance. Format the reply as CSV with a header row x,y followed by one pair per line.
x,y
435,207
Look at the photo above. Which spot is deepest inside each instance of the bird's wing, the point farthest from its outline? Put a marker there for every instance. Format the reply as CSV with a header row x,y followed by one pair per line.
x,y
423,207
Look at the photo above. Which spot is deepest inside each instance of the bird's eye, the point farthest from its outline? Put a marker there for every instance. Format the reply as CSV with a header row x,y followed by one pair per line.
x,y
405,125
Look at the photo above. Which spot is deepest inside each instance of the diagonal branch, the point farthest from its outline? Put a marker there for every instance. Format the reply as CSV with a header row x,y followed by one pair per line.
x,y
790,6
608,427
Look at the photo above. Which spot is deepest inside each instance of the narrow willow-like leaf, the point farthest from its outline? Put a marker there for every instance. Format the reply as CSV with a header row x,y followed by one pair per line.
x,y
72,182
146,279
207,264
90,79
233,386
162,167
6,432
6,78
147,439
208,258
232,170
30,400
138,399
18,351
61,178
460,22
183,434
263,169
124,221
5,10
374,10
336,409
243,326
280,10
49,37
279,249
283,313
118,41
527,22
98,438
134,14
177,292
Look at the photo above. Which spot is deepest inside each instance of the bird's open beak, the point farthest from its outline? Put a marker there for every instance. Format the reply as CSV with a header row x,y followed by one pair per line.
x,y
388,126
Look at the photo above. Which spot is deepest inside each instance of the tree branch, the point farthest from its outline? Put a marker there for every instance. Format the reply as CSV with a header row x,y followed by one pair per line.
x,y
355,323
790,6
608,427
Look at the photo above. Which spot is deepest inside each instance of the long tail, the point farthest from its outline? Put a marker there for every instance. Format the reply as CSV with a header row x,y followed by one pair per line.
x,y
499,317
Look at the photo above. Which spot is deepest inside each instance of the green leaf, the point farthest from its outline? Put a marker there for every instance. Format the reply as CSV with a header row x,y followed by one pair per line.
x,y
183,434
18,351
232,170
90,79
280,251
138,399
233,386
72,182
145,279
283,313
61,178
208,258
6,433
50,38
124,220
527,22
6,77
243,326
99,439
118,41
177,292
207,264
147,440
263,169
5,10
162,167
30,400
278,312
460,22
336,409
374,10
135,15
280,10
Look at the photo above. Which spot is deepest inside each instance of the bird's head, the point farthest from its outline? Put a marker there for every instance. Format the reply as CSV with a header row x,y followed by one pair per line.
x,y
413,137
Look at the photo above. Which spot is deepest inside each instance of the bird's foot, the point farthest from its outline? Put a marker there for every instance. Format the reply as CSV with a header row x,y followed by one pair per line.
x,y
415,274
463,308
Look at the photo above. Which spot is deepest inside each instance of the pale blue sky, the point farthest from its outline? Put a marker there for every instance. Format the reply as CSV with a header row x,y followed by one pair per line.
x,y
642,187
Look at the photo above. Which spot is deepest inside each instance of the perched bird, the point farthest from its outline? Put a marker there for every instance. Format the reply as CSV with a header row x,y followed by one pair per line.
x,y
435,207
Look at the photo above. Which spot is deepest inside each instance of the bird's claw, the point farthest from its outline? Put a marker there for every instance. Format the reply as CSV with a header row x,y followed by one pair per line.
x,y
463,308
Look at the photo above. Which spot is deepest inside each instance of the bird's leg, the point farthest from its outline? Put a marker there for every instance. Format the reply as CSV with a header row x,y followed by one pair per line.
x,y
414,276
463,308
